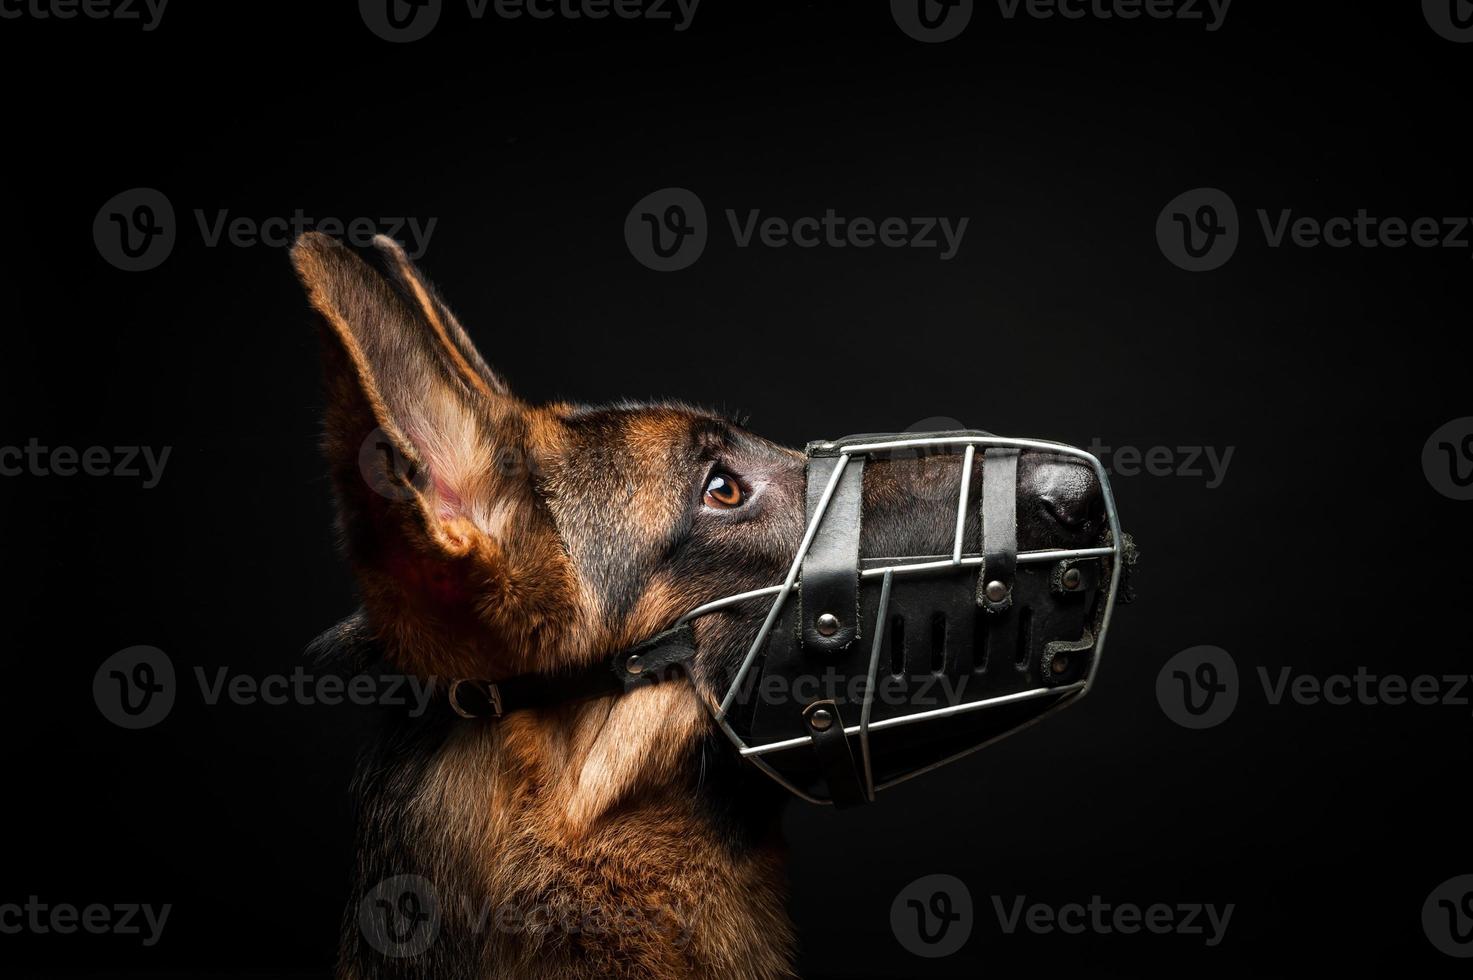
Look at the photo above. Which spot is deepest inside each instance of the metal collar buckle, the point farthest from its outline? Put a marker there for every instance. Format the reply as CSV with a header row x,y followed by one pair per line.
x,y
472,698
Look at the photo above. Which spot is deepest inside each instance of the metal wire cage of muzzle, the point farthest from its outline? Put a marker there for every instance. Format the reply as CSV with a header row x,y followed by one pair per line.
x,y
917,660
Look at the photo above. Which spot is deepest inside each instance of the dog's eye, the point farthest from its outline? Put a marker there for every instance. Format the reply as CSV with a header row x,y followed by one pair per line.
x,y
723,491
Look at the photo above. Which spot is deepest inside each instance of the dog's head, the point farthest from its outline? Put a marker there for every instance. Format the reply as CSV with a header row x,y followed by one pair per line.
x,y
494,538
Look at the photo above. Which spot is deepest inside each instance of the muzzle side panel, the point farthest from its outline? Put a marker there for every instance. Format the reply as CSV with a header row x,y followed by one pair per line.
x,y
941,659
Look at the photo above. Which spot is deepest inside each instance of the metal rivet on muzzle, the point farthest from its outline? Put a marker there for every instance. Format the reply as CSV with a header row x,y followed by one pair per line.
x,y
634,665
1072,579
996,591
821,719
827,624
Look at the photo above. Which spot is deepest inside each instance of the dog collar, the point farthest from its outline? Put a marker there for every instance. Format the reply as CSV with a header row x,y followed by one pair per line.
x,y
638,666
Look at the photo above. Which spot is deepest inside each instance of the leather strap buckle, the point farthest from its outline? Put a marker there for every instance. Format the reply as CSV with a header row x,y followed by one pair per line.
x,y
471,698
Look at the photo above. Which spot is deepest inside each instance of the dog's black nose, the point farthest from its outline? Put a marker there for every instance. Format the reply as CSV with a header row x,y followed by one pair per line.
x,y
1067,490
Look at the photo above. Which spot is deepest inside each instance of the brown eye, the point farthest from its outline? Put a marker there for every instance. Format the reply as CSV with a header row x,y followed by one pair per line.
x,y
722,490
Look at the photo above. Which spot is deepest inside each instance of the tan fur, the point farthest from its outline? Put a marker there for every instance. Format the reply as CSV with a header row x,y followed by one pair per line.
x,y
678,904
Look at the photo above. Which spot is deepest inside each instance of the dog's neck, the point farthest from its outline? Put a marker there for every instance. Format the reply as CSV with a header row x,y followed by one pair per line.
x,y
579,841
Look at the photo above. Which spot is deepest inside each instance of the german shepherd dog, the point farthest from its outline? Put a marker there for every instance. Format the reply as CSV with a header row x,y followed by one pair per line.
x,y
610,836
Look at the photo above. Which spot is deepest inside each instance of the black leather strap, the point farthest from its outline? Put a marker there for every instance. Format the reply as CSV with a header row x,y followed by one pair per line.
x,y
655,658
830,573
999,528
637,666
835,760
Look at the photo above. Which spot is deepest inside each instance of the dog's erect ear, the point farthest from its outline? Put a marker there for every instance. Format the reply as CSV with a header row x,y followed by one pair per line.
x,y
447,330
433,460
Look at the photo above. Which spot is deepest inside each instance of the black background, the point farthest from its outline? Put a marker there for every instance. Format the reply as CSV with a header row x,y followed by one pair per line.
x,y
1324,548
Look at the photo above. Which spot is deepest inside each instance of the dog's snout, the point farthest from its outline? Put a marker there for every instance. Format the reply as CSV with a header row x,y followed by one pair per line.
x,y
1068,491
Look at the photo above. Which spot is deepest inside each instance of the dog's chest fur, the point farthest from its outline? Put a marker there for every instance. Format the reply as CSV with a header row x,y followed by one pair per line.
x,y
541,871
